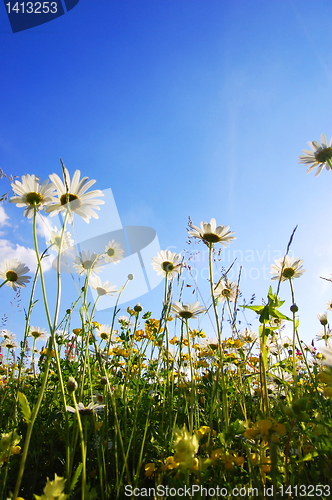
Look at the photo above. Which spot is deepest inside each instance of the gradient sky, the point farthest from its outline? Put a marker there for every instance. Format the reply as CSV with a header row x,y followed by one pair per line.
x,y
182,107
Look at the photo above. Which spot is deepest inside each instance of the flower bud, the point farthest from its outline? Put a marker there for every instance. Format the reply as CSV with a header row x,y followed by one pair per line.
x,y
71,384
323,319
138,308
294,308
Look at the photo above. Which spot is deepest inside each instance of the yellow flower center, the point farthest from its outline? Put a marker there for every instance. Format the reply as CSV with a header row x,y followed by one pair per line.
x,y
34,199
67,198
288,272
226,292
211,237
85,411
110,252
35,334
167,266
87,264
324,155
186,314
11,276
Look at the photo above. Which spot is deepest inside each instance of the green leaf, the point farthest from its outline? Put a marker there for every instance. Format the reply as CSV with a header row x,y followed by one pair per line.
x,y
309,456
76,477
25,407
278,314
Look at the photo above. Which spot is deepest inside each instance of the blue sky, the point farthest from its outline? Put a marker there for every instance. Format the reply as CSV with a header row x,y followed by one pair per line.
x,y
181,107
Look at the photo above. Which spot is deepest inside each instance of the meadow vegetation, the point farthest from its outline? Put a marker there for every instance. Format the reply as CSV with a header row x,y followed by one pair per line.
x,y
153,406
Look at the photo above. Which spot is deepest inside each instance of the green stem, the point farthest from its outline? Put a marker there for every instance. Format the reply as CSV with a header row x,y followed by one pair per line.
x,y
30,428
83,445
294,340
220,369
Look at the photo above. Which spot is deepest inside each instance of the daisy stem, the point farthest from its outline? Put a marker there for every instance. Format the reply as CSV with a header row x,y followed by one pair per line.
x,y
166,329
221,354
115,313
26,331
294,338
192,391
30,428
263,367
58,295
3,283
35,242
33,357
83,445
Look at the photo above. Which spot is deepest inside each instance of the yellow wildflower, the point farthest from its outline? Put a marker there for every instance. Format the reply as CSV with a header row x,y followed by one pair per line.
x,y
264,426
149,469
328,392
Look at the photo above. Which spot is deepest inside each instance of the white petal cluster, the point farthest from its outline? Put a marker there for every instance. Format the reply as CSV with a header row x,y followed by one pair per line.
x,y
320,156
211,233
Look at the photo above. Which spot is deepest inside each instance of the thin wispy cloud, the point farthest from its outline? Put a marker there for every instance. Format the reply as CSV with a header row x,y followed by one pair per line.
x,y
4,218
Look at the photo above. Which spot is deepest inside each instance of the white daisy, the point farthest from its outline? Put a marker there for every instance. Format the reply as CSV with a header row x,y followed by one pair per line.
x,y
329,305
7,334
187,311
226,290
55,240
113,252
320,156
285,343
72,196
327,353
98,398
88,262
287,268
9,342
276,323
104,332
32,195
249,336
86,410
102,288
323,335
124,321
12,271
38,333
210,233
167,263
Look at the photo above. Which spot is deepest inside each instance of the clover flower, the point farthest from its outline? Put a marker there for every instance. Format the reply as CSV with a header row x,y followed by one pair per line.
x,y
320,156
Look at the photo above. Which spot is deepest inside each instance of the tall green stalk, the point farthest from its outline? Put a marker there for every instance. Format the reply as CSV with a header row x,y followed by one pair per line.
x,y
220,369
